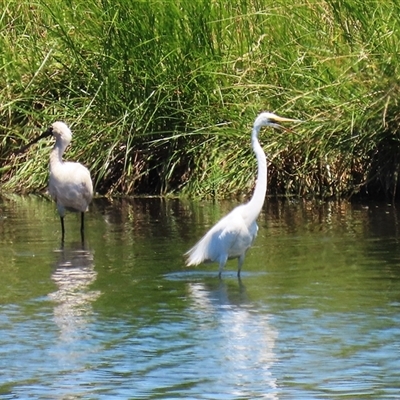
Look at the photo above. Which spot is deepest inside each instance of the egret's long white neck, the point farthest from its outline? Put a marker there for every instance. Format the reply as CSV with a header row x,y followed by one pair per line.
x,y
256,202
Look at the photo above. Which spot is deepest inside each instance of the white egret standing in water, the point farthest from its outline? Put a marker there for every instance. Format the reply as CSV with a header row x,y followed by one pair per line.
x,y
234,234
70,184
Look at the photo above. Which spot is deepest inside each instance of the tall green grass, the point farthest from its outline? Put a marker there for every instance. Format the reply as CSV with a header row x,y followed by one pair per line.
x,y
161,95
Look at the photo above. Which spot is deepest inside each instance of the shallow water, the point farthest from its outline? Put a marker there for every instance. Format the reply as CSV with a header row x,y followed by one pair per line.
x,y
316,314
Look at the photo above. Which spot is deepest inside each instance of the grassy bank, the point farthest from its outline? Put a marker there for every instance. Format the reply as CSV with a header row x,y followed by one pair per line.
x,y
161,95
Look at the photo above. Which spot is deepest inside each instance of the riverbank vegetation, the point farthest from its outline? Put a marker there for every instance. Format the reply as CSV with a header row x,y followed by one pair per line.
x,y
161,94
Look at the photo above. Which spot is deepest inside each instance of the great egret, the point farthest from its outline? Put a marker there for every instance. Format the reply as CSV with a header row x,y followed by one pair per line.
x,y
232,235
70,184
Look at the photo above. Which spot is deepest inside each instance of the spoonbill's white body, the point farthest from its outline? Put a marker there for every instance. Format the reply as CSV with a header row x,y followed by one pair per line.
x,y
70,184
232,236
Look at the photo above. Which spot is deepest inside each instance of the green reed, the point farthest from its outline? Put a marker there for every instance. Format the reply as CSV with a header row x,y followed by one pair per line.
x,y
161,95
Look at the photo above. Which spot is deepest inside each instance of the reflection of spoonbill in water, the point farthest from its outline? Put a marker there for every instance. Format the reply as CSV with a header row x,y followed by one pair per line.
x,y
232,236
70,183
73,275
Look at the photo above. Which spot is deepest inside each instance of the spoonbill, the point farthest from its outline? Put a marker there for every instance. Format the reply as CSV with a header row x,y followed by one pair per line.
x,y
70,184
232,235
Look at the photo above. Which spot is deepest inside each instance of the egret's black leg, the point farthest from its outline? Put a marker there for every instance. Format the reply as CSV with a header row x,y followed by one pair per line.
x,y
240,263
62,229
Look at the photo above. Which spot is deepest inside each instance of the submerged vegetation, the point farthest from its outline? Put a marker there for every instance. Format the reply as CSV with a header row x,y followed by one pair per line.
x,y
161,94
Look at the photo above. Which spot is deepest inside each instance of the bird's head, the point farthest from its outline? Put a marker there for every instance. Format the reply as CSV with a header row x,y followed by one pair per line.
x,y
271,119
61,133
59,130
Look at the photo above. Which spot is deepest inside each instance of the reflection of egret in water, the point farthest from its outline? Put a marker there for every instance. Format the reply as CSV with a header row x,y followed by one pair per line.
x,y
242,339
73,275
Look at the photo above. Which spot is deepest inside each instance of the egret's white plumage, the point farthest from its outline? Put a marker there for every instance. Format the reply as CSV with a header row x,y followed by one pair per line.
x,y
232,235
70,184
